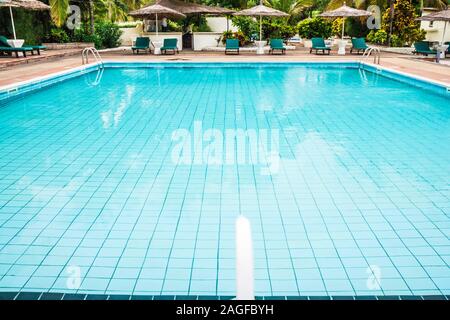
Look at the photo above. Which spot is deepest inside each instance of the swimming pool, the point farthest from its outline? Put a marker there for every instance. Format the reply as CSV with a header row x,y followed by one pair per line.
x,y
356,201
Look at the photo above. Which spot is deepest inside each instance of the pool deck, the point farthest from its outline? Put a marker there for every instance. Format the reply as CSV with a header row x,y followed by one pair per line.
x,y
10,74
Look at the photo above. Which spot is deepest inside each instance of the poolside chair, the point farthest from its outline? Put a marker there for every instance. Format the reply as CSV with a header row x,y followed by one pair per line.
x,y
447,52
170,44
232,45
318,44
277,44
38,48
359,44
141,43
423,47
6,48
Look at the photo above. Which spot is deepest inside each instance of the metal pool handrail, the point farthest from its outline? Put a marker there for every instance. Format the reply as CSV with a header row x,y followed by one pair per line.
x,y
94,52
376,57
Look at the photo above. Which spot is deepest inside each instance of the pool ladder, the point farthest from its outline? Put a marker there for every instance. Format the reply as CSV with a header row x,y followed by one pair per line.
x,y
95,54
376,56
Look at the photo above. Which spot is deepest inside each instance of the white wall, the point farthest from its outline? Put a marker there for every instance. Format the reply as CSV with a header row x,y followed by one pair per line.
x,y
203,40
129,35
435,32
219,24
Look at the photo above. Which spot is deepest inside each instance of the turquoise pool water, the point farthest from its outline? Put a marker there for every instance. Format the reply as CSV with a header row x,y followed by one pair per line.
x,y
92,201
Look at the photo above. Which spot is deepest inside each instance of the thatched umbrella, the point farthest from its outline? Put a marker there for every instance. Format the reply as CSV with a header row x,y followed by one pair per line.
x,y
194,8
344,12
261,11
26,4
443,15
152,11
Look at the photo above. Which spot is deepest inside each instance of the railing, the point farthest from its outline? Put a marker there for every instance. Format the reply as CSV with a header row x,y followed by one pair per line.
x,y
376,56
95,54
97,80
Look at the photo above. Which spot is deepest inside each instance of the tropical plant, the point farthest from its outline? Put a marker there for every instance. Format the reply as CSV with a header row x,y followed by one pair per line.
x,y
294,8
58,11
108,33
315,27
112,10
377,36
247,25
57,35
235,35
404,25
277,29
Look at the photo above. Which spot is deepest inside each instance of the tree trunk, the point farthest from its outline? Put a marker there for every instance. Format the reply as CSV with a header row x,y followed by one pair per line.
x,y
91,16
391,20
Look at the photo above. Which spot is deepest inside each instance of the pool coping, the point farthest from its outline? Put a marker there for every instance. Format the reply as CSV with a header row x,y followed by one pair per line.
x,y
52,78
41,296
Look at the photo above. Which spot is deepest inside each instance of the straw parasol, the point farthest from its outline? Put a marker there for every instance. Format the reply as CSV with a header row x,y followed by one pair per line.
x,y
344,12
25,4
193,8
443,15
152,11
261,11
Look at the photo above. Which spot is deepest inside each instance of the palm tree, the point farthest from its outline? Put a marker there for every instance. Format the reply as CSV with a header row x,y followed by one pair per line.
x,y
293,7
58,11
115,9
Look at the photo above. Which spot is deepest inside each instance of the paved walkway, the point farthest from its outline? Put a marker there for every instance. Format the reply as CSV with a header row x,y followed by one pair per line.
x,y
403,63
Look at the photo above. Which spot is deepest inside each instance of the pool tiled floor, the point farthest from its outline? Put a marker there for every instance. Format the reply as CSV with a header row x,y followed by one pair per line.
x,y
91,200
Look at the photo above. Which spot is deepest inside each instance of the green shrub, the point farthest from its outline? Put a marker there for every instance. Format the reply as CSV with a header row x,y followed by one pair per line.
x,y
396,41
173,26
57,35
234,35
315,27
405,27
247,25
80,35
277,29
337,27
377,36
202,27
108,34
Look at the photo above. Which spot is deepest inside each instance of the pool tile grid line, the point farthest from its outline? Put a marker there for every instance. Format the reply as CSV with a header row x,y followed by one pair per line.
x,y
343,186
140,213
148,194
312,195
183,201
99,186
129,130
40,82
254,116
191,275
257,196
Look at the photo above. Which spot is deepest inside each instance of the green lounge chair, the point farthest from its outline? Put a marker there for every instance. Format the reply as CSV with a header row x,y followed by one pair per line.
x,y
318,44
423,47
277,44
169,44
447,52
38,48
359,44
141,43
232,45
6,48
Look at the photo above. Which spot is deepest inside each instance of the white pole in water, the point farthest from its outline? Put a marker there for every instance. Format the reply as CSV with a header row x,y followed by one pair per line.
x,y
12,22
244,260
